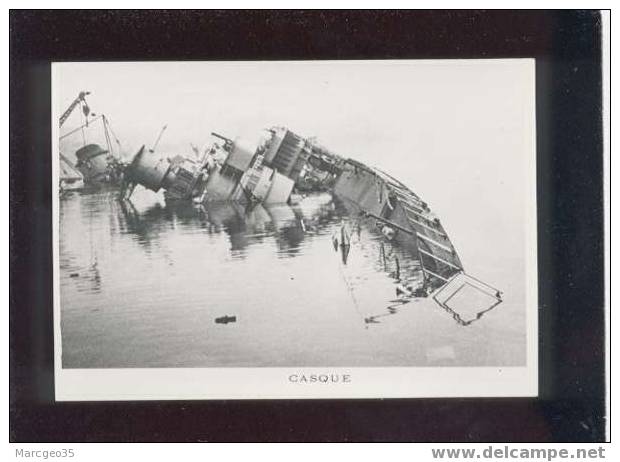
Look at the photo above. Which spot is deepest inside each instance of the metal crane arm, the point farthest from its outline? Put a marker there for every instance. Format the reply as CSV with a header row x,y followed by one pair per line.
x,y
81,98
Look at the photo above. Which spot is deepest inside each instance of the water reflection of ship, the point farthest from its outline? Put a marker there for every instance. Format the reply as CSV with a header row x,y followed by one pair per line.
x,y
87,277
406,272
83,268
245,225
409,282
145,225
312,216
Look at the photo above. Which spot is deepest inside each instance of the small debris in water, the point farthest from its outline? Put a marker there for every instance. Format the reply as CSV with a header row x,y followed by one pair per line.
x,y
225,319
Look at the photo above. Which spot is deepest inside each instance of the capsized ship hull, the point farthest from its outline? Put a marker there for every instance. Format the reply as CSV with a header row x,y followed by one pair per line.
x,y
285,164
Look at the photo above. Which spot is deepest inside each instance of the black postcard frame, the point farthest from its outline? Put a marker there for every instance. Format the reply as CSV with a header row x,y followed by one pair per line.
x,y
567,48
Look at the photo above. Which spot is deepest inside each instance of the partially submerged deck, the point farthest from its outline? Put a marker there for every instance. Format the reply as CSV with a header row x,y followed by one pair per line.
x,y
387,200
410,222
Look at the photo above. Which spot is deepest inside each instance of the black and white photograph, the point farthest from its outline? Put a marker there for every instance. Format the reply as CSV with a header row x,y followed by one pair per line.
x,y
314,216
309,226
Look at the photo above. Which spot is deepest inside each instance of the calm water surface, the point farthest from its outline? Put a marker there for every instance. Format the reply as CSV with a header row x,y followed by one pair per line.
x,y
143,283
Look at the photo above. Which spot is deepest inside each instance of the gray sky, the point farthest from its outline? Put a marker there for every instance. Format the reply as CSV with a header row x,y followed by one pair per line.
x,y
458,132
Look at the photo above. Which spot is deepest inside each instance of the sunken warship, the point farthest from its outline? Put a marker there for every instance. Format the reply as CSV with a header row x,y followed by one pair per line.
x,y
283,167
